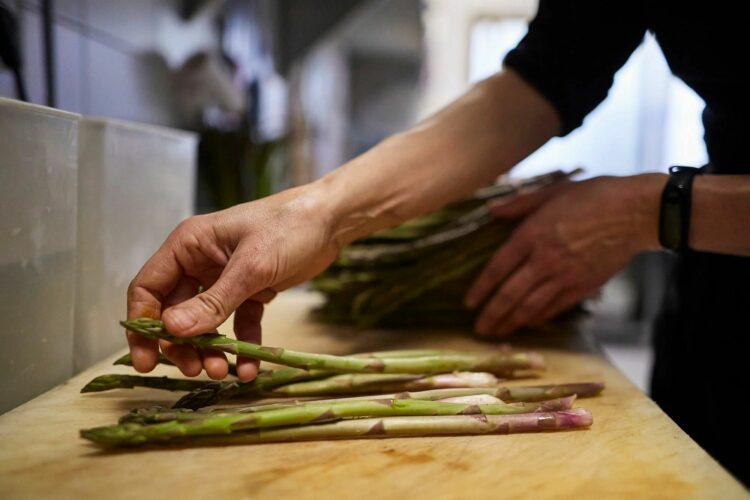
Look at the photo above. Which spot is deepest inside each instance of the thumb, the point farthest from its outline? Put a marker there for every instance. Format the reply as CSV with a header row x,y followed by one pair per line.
x,y
524,202
209,309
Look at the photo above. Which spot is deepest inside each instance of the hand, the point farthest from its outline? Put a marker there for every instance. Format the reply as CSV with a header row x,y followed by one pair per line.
x,y
241,257
574,237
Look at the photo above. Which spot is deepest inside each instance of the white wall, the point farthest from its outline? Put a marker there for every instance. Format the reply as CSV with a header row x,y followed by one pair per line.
x,y
113,58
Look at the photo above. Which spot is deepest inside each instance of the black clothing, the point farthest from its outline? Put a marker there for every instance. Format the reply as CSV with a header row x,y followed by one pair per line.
x,y
570,55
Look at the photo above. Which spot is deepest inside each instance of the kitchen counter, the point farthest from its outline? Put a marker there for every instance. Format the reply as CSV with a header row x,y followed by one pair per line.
x,y
633,450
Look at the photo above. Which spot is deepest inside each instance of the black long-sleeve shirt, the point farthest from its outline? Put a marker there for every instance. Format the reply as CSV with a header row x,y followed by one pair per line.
x,y
570,54
574,47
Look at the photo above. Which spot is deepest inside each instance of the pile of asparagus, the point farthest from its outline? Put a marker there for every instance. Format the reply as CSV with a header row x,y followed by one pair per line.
x,y
382,394
416,274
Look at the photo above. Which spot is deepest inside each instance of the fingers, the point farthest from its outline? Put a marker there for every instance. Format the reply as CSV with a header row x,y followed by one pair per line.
x,y
207,310
215,363
525,201
507,298
185,357
264,296
143,351
155,280
560,303
247,327
505,261
530,308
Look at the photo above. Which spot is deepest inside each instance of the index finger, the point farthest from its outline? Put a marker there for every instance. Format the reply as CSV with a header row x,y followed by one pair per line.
x,y
146,294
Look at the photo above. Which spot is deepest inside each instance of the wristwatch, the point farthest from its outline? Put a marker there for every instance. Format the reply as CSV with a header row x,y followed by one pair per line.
x,y
674,216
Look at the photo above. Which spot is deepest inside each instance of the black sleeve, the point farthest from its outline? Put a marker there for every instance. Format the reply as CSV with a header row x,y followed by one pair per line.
x,y
573,49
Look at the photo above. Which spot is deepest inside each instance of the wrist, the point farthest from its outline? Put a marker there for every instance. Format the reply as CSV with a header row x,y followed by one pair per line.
x,y
647,190
357,200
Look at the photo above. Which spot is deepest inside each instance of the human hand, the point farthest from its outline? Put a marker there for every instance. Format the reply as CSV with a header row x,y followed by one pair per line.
x,y
574,237
241,257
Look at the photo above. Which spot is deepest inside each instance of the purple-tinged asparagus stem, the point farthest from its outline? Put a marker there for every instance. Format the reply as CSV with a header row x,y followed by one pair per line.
x,y
130,434
362,428
465,396
578,418
360,383
531,393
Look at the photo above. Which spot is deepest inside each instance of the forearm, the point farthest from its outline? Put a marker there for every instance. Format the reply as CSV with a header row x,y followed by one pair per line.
x,y
720,212
465,146
720,215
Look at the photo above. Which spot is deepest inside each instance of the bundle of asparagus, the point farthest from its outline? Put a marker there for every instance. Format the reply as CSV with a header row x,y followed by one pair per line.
x,y
416,274
425,395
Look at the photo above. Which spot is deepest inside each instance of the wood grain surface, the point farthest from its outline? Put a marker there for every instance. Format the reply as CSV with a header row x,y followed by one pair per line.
x,y
633,449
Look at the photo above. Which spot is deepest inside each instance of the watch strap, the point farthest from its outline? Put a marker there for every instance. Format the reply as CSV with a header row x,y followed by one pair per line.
x,y
676,203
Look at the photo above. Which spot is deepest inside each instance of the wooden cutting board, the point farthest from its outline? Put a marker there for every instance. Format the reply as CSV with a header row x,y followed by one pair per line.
x,y
633,449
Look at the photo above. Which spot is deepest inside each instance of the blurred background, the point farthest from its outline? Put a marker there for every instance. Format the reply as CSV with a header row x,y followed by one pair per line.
x,y
279,92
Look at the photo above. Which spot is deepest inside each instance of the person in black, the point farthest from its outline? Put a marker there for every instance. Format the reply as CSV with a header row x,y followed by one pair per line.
x,y
572,237
570,55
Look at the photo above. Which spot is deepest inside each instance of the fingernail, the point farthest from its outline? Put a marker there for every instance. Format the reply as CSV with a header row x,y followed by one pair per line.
x,y
247,372
179,319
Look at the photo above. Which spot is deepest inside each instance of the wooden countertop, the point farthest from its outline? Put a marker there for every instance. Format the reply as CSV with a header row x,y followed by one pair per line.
x,y
633,449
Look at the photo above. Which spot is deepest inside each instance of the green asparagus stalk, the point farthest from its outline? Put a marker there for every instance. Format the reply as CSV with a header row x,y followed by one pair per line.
x,y
205,393
389,279
157,414
117,381
132,434
494,363
354,383
215,393
212,394
533,393
506,394
276,384
308,413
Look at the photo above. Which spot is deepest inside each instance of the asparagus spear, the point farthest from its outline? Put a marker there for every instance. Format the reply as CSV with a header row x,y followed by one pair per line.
x,y
363,428
308,413
506,394
493,363
117,381
353,383
157,414
532,393
211,394
205,393
371,284
356,383
214,393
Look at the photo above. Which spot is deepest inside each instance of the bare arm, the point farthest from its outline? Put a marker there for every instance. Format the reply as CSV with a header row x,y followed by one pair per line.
x,y
242,256
720,216
465,146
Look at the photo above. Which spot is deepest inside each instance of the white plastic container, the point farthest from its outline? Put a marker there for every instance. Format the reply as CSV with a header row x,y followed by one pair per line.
x,y
136,183
38,177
